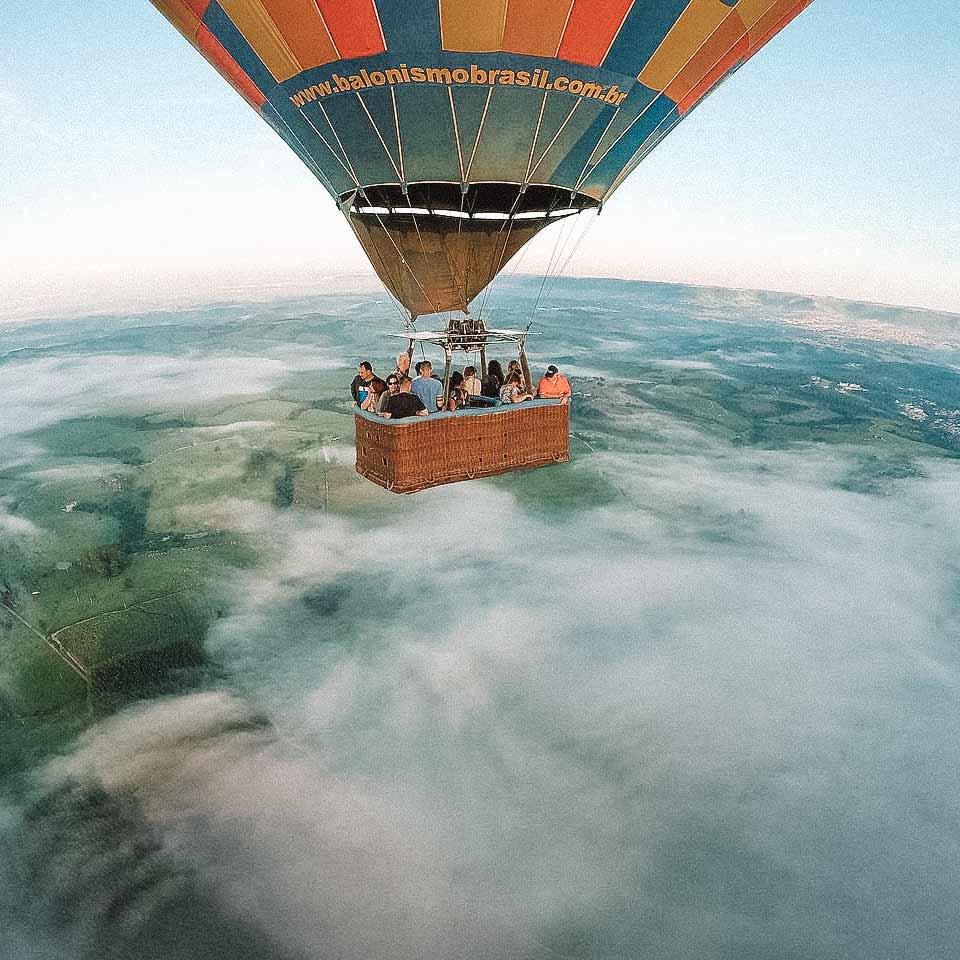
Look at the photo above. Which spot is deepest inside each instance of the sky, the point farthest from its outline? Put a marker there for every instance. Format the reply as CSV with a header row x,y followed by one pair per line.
x,y
132,175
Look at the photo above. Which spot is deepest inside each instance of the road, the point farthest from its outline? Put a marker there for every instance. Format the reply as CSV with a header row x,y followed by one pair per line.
x,y
74,663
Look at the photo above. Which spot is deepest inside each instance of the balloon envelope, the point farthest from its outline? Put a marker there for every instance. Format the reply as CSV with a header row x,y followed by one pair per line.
x,y
450,132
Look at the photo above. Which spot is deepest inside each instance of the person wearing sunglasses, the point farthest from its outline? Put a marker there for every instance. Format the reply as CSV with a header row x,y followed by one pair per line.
x,y
403,403
393,388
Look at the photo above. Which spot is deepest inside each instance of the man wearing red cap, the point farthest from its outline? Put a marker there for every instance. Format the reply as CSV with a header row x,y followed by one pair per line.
x,y
553,386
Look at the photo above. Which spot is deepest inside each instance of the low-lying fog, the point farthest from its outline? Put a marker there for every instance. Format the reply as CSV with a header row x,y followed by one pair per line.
x,y
480,733
713,715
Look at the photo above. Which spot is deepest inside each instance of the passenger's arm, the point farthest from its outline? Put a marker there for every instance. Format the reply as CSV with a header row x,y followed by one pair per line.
x,y
423,413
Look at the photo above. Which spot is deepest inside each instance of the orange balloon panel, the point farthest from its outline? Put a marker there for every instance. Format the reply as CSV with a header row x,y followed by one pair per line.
x,y
451,131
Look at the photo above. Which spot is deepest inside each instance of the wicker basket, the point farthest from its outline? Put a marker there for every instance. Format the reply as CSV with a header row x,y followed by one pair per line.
x,y
418,452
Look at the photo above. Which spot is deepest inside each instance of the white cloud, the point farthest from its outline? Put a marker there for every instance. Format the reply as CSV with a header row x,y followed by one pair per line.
x,y
41,392
13,526
505,730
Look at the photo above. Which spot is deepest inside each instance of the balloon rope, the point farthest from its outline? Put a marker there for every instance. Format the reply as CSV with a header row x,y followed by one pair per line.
x,y
333,152
383,143
456,134
312,164
336,137
416,226
403,259
519,260
476,143
503,250
466,265
463,189
543,283
393,299
583,173
396,123
536,136
570,256
564,247
556,137
645,148
509,220
564,258
516,202
400,176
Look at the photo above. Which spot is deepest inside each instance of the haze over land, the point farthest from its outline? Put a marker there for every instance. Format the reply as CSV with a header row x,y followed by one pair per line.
x,y
692,694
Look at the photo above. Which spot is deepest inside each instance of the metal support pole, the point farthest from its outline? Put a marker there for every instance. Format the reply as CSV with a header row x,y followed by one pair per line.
x,y
524,366
446,377
480,328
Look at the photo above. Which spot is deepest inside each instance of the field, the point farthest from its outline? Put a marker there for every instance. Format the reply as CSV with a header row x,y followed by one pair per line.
x,y
128,504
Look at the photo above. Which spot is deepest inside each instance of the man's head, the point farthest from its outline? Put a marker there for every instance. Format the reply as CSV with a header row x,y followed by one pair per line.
x,y
405,384
469,372
366,370
403,362
552,372
393,382
426,368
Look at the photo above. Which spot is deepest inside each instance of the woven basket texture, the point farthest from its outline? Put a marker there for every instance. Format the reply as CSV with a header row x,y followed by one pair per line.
x,y
413,454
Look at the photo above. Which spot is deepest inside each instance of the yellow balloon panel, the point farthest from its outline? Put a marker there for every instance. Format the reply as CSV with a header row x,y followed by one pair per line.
x,y
695,26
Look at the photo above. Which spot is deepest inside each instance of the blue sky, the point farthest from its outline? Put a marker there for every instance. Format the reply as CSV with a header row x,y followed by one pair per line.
x,y
827,165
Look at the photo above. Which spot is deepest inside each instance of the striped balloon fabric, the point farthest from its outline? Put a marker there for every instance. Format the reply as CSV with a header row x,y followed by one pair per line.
x,y
451,131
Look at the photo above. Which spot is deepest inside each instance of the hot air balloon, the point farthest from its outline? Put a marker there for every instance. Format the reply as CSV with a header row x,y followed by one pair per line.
x,y
451,132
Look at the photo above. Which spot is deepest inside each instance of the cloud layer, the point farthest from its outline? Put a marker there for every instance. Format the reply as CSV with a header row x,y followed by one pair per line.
x,y
715,718
676,699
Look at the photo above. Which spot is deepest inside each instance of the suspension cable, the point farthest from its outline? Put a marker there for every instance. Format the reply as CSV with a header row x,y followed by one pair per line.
x,y
546,273
562,269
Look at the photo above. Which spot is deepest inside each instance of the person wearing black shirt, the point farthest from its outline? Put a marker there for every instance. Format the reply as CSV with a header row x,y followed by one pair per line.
x,y
403,404
367,380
